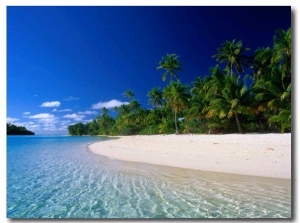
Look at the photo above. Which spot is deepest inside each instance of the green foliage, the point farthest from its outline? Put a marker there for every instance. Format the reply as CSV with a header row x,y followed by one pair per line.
x,y
283,119
150,130
105,122
131,119
232,53
272,87
78,129
129,94
12,129
155,97
177,98
221,102
171,64
166,126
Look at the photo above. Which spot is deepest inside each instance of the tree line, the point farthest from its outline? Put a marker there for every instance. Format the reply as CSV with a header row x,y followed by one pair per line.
x,y
221,102
12,129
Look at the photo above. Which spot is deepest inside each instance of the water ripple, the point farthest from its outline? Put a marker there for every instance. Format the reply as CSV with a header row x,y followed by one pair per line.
x,y
62,179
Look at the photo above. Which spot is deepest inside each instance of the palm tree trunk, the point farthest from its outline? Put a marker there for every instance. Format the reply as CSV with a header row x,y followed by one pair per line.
x,y
176,127
238,123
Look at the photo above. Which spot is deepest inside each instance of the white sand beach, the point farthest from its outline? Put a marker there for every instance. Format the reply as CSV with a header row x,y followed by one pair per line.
x,y
266,155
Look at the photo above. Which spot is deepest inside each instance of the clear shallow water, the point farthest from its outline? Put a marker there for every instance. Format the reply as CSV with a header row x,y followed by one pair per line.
x,y
58,177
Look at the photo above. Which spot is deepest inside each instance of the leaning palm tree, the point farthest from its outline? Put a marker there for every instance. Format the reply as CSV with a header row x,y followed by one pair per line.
x,y
177,98
171,64
232,53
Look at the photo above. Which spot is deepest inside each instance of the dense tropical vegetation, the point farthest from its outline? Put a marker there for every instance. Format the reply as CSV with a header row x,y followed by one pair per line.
x,y
221,102
12,129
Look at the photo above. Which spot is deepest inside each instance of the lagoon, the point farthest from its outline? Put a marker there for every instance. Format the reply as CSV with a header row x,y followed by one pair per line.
x,y
58,177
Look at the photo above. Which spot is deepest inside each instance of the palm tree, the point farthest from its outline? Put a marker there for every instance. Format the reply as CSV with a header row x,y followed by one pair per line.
x,y
272,97
153,117
171,64
214,83
105,122
198,86
134,105
233,100
232,53
284,119
266,59
122,109
128,94
261,62
284,106
177,98
283,48
283,55
273,89
155,97
197,101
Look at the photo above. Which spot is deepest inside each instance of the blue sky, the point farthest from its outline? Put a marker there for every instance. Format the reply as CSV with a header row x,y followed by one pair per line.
x,y
65,63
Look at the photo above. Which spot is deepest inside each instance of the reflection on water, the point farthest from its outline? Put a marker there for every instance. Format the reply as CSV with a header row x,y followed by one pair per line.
x,y
53,178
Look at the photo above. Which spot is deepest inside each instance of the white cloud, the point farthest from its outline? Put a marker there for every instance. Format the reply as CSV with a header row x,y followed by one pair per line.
x,y
32,126
62,128
50,104
109,104
26,113
88,112
42,116
47,122
86,121
43,123
10,120
65,122
24,123
71,98
74,116
62,110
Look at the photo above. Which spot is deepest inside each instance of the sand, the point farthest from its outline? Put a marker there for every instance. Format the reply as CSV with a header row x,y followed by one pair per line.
x,y
266,155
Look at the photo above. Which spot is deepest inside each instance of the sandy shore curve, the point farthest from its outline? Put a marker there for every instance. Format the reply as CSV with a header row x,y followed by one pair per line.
x,y
266,155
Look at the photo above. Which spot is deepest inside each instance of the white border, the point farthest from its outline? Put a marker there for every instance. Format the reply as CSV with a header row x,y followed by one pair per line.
x,y
5,3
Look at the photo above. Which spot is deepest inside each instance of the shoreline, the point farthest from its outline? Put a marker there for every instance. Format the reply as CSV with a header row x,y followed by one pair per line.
x,y
263,155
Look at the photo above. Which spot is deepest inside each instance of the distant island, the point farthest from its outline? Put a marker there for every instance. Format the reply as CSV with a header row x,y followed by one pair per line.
x,y
12,129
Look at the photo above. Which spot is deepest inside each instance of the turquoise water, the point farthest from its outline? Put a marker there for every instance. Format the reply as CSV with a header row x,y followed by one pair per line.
x,y
58,177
